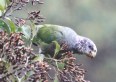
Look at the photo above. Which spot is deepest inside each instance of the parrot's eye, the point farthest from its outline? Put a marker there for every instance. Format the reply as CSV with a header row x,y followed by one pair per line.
x,y
90,47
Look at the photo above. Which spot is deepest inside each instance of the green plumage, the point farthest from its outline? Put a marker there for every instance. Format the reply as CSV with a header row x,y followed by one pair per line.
x,y
49,33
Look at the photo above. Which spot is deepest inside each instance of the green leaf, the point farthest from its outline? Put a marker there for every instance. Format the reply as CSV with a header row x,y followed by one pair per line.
x,y
39,57
34,30
57,49
18,29
7,65
2,5
26,30
61,65
4,26
1,8
12,25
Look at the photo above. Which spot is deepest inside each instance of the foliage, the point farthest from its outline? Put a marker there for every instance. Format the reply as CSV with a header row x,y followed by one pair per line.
x,y
18,61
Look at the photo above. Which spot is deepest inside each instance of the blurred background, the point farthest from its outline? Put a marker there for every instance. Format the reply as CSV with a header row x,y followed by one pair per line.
x,y
95,19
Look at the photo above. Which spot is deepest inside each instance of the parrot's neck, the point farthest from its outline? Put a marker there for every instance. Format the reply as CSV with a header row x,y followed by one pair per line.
x,y
77,46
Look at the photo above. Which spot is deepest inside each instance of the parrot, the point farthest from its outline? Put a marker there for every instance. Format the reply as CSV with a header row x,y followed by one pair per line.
x,y
48,33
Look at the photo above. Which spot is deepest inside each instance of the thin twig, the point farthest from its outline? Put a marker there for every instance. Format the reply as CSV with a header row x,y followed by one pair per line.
x,y
8,8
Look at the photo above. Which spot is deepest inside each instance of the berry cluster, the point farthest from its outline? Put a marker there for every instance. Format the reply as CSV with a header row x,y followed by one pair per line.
x,y
72,72
18,61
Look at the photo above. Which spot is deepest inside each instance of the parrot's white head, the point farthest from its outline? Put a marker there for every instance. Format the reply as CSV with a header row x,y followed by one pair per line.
x,y
87,47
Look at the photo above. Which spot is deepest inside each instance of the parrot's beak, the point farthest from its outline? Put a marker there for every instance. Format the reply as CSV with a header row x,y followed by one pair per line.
x,y
92,54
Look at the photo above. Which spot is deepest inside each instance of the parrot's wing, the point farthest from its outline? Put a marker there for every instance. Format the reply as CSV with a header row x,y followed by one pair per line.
x,y
49,33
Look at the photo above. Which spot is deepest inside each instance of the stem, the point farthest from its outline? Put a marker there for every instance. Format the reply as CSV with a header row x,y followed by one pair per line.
x,y
8,8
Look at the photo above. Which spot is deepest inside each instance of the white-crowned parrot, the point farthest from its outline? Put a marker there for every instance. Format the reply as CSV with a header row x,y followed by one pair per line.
x,y
48,33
